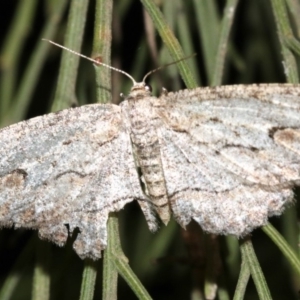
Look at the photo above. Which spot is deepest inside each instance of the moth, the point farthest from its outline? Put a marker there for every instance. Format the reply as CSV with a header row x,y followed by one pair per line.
x,y
227,157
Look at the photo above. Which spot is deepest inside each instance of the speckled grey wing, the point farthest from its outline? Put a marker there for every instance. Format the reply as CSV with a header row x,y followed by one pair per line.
x,y
231,154
72,167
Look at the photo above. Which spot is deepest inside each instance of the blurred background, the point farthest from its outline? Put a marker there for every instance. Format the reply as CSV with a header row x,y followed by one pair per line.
x,y
172,263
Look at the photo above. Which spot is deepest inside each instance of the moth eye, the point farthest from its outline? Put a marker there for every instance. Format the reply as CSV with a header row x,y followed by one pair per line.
x,y
148,88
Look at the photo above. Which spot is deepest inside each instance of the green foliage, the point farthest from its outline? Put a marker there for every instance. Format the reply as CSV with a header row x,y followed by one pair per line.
x,y
236,42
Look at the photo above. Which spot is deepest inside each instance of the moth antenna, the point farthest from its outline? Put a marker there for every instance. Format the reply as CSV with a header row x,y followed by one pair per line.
x,y
167,65
95,61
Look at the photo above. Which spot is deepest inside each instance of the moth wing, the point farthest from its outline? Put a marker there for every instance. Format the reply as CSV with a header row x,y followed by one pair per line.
x,y
71,168
231,155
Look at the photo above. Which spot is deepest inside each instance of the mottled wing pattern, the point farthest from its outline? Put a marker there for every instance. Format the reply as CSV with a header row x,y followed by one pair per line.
x,y
231,154
69,168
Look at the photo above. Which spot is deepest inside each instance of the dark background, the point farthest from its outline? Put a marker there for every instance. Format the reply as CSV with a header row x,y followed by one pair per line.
x,y
180,266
